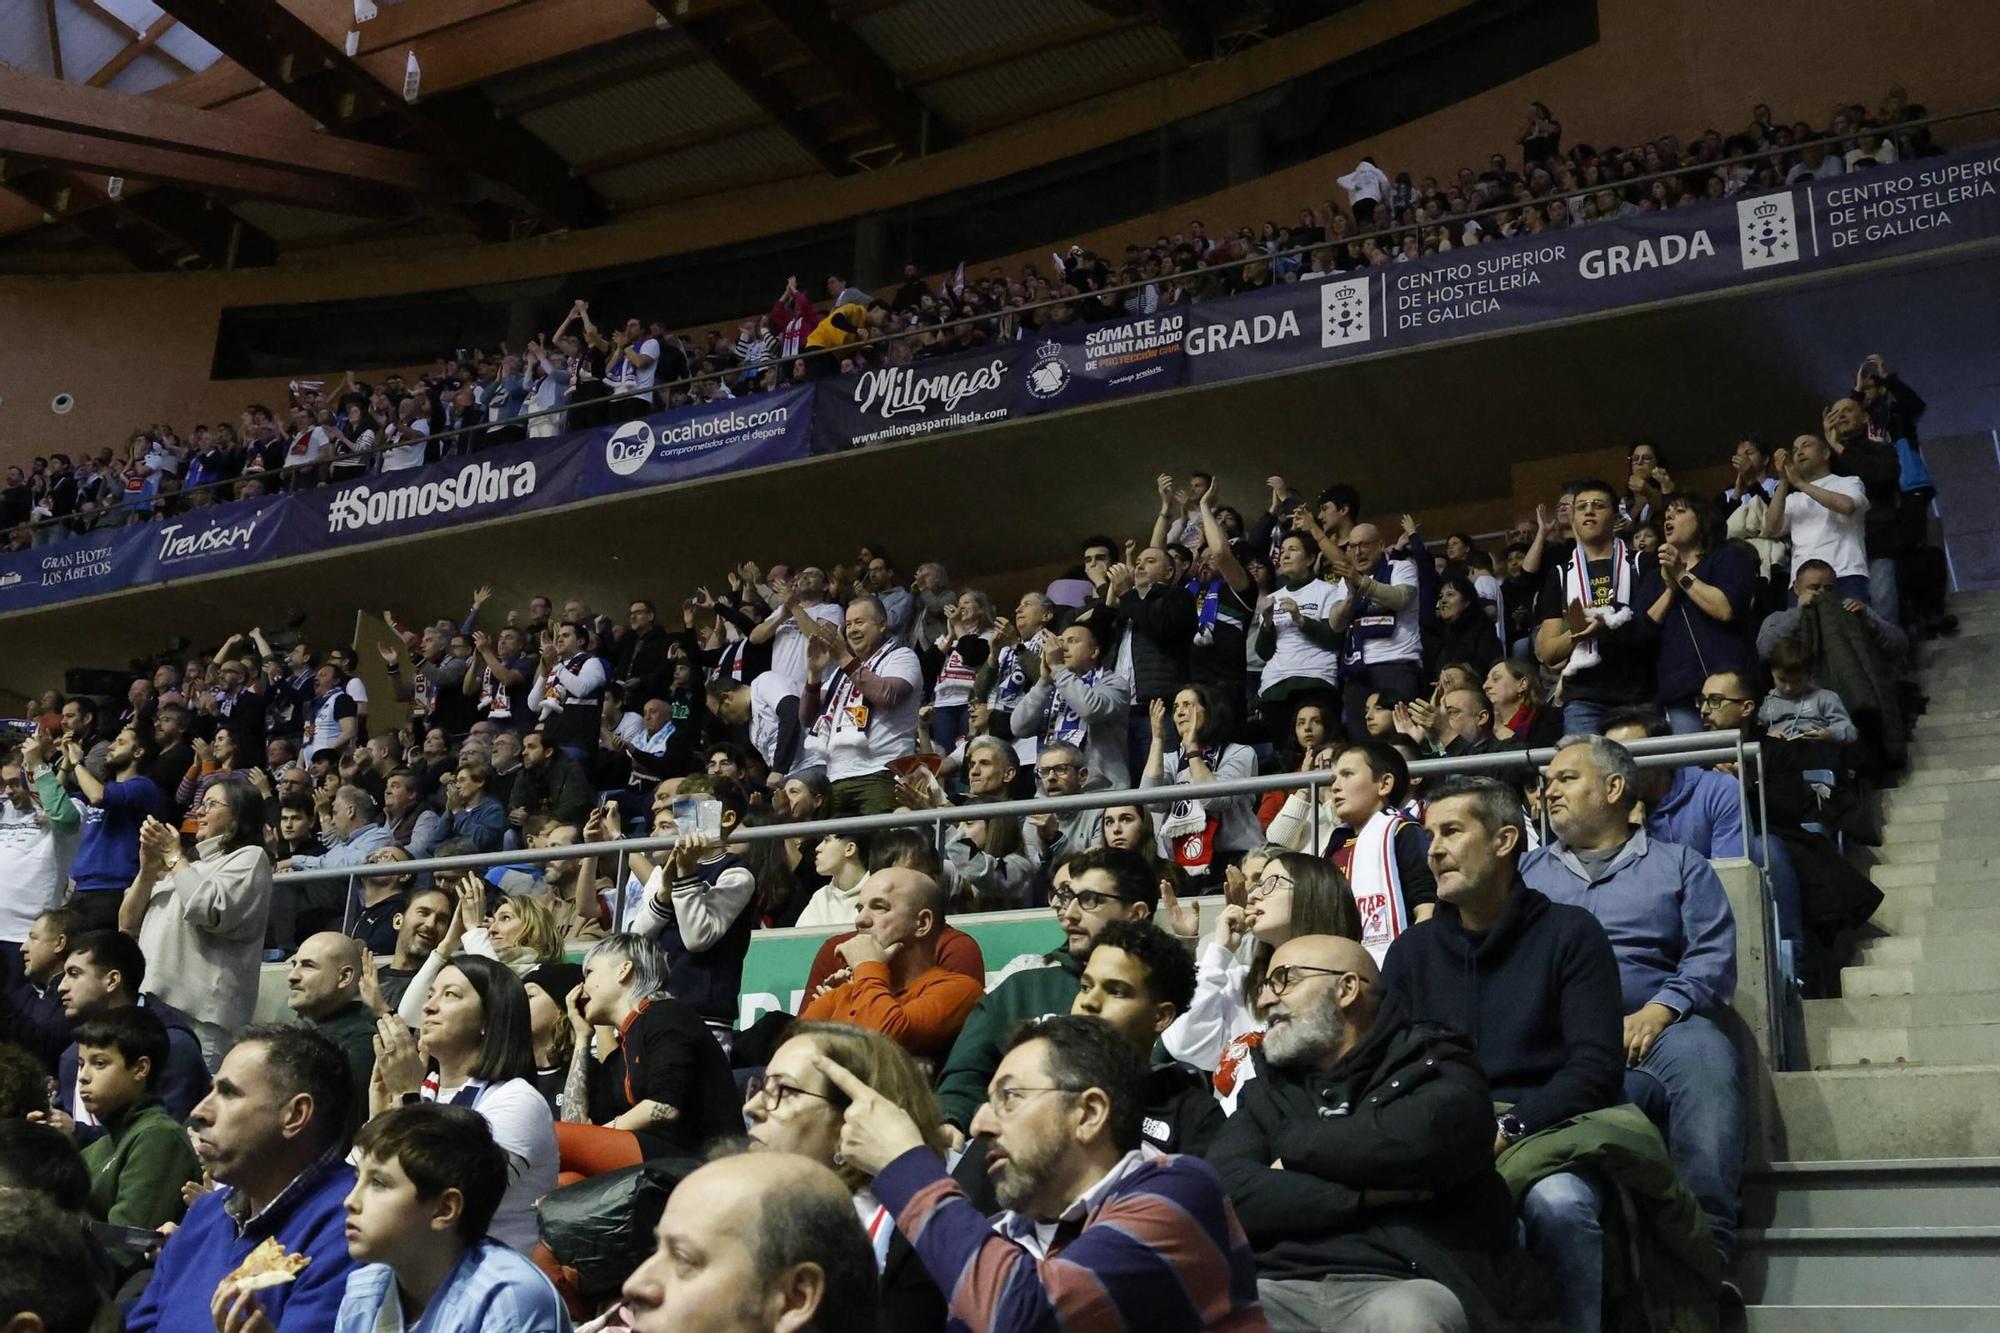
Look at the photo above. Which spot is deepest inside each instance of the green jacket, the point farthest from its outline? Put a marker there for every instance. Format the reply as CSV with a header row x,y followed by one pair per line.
x,y
1661,1272
1032,992
137,1168
352,1027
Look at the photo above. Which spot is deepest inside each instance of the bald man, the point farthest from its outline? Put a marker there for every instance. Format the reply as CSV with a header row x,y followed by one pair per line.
x,y
1379,1129
757,1244
323,988
1375,606
891,980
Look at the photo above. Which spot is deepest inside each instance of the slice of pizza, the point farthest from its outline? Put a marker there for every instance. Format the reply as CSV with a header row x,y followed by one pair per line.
x,y
266,1266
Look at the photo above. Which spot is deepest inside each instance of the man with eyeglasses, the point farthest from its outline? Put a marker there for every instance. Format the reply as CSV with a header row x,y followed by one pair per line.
x,y
1095,1236
1675,939
1535,986
1091,890
1079,701
1062,770
1361,1161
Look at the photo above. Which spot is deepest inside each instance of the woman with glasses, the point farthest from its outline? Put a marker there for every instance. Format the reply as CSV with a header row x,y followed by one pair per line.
x,y
647,1079
791,1107
1291,894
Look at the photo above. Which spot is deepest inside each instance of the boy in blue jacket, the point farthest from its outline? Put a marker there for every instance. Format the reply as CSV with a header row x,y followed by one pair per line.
x,y
274,1131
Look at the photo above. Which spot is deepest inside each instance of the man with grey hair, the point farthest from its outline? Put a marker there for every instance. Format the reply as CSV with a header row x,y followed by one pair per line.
x,y
1062,769
1015,666
1670,927
935,598
1535,984
860,717
987,866
352,824
794,623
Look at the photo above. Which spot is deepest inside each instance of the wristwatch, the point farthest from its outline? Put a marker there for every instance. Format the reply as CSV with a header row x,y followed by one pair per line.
x,y
1687,583
1511,1128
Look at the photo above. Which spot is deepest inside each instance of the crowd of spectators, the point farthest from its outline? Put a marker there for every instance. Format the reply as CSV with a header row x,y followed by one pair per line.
x,y
582,374
1446,1056
154,850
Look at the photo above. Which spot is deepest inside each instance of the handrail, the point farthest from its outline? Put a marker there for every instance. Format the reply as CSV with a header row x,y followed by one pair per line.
x,y
1653,752
276,476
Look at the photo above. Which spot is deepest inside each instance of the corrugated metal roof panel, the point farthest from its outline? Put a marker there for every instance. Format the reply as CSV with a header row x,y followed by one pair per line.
x,y
918,33
660,106
1072,73
597,60
699,170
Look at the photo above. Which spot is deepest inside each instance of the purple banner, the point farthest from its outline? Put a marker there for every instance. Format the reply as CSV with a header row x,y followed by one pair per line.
x,y
1093,363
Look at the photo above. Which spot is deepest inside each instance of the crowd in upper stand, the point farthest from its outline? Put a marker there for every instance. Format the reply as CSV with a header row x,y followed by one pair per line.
x,y
474,398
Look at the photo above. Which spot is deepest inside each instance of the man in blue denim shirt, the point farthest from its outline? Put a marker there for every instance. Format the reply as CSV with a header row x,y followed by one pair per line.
x,y
1675,938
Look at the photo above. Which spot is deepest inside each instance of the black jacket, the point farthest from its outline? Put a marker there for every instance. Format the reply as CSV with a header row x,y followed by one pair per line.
x,y
1538,994
1407,1109
1182,1115
1162,625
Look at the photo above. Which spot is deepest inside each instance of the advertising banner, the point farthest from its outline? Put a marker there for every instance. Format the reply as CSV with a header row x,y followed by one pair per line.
x,y
705,441
493,483
1091,363
900,402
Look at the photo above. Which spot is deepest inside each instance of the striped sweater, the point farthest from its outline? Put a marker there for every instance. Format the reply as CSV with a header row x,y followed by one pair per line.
x,y
1159,1248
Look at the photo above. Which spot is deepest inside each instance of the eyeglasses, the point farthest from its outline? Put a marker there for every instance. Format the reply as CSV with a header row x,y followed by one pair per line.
x,y
1008,1100
1051,770
1280,980
1089,899
772,1091
1708,703
1267,885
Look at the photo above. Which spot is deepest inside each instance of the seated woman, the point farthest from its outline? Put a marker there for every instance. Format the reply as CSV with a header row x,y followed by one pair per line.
x,y
792,1107
1293,894
1522,718
1204,834
520,933
1465,631
473,1049
549,1028
647,1078
1132,828
201,919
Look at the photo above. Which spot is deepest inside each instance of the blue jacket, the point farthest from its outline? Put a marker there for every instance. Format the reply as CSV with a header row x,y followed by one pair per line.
x,y
493,1288
1700,811
308,1218
485,823
1666,913
181,1085
108,855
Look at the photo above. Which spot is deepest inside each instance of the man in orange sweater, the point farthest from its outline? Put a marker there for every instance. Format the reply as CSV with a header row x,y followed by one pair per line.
x,y
896,986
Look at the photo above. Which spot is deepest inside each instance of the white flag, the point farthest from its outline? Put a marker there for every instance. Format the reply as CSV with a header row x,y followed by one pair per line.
x,y
353,43
363,11
413,77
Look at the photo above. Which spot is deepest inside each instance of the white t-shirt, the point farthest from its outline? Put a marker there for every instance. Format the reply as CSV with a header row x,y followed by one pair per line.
x,y
788,645
1296,656
357,692
1403,643
767,692
523,1127
410,453
1820,534
34,868
853,748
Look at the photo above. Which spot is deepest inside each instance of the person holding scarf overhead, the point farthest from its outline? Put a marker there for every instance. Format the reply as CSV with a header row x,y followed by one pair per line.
x,y
1376,605
863,718
1589,629
1078,701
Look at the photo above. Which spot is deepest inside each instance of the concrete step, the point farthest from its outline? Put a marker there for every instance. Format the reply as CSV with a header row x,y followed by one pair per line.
x,y
1967,744
1933,891
1938,722
1892,1013
1902,950
1953,978
1977,792
1877,1112
1939,822
1955,775
1932,872
1895,1193
1920,1265
1870,1319
1942,848
1964,729
1953,1044
1893,917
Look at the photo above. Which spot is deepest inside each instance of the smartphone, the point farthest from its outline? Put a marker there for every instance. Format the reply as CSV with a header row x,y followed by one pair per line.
x,y
698,814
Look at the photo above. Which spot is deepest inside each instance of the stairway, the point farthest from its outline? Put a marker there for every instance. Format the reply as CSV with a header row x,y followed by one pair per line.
x,y
1883,1213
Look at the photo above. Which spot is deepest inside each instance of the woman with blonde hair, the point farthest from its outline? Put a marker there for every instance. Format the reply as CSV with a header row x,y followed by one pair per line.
x,y
793,1107
522,933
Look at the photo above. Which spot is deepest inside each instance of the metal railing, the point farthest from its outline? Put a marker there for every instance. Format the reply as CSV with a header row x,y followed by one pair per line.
x,y
276,478
1679,751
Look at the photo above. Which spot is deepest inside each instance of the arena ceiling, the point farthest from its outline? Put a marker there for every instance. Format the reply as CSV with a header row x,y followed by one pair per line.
x,y
221,133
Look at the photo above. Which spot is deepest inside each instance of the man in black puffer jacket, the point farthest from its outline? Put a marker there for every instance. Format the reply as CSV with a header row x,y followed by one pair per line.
x,y
1360,1159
